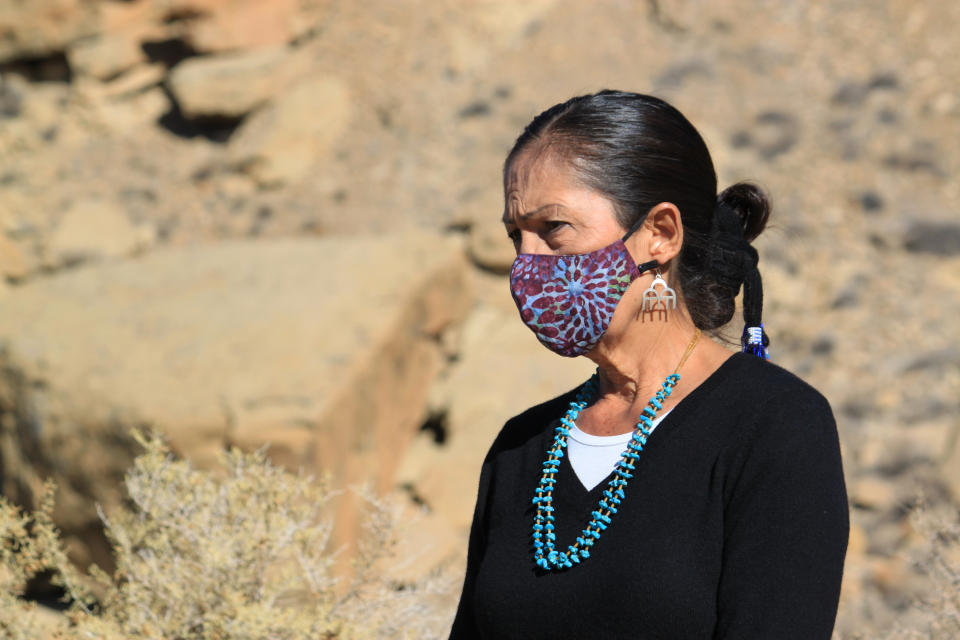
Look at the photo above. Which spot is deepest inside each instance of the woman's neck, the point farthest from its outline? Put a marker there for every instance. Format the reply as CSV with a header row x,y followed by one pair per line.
x,y
634,364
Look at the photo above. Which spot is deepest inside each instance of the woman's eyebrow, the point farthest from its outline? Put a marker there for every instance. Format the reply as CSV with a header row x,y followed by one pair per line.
x,y
529,214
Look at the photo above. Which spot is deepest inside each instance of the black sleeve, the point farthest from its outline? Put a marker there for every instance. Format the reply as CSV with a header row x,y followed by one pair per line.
x,y
464,624
786,523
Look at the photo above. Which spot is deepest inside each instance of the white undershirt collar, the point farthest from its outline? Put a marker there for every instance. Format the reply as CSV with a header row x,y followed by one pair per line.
x,y
594,457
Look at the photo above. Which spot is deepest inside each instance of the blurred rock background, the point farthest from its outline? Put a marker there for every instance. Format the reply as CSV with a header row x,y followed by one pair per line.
x,y
246,222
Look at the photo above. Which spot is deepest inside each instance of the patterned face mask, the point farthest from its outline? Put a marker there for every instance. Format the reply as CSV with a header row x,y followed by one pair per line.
x,y
568,300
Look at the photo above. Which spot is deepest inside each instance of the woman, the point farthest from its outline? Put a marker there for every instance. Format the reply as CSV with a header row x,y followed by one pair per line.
x,y
685,491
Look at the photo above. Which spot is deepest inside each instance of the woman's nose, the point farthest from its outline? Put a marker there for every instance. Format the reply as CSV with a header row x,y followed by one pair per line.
x,y
532,243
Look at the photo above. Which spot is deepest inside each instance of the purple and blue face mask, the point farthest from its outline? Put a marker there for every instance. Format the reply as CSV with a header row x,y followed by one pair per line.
x,y
569,300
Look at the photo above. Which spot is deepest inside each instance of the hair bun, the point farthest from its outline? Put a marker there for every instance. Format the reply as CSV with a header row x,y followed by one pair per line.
x,y
750,203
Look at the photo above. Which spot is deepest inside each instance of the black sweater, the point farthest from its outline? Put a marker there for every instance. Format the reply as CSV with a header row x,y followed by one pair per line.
x,y
734,525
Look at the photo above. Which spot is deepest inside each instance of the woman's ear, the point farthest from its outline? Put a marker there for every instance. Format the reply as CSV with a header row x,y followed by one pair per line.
x,y
664,232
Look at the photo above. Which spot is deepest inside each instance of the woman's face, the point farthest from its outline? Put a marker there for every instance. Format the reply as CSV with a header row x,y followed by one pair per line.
x,y
547,210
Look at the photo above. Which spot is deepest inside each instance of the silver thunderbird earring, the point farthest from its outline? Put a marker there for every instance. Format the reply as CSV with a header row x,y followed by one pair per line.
x,y
652,298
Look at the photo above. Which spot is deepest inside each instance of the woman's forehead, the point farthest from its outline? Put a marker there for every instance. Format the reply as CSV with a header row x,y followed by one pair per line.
x,y
536,176
539,185
534,166
536,189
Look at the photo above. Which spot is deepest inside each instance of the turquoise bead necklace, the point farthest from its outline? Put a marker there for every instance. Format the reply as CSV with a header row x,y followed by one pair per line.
x,y
545,553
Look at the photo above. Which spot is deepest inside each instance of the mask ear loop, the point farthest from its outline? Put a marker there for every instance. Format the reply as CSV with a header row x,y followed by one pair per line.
x,y
646,266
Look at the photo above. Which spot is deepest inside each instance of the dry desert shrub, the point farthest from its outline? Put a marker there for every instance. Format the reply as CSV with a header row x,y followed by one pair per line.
x,y
28,546
242,554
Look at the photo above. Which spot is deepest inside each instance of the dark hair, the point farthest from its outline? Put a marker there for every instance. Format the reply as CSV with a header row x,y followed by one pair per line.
x,y
639,151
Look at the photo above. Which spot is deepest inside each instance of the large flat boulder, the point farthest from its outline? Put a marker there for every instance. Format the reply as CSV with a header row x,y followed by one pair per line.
x,y
322,348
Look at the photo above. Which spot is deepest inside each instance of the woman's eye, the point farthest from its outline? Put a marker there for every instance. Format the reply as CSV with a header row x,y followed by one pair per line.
x,y
554,225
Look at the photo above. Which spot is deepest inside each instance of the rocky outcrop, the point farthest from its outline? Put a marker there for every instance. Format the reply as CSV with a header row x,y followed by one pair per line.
x,y
323,349
287,140
36,28
229,85
222,25
502,371
489,246
91,229
13,264
105,57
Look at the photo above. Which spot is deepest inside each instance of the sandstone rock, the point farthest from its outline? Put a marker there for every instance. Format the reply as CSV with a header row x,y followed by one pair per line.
x,y
132,100
504,20
490,26
134,81
246,24
35,28
12,91
15,212
490,247
228,85
890,574
50,622
28,619
857,543
502,371
93,229
128,112
282,143
39,106
950,462
105,57
13,264
413,560
322,348
871,492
